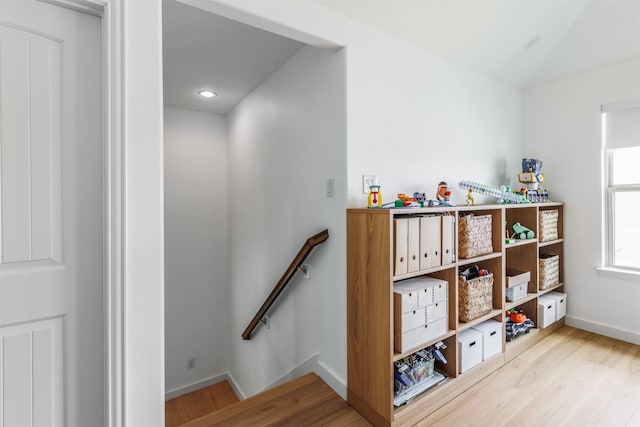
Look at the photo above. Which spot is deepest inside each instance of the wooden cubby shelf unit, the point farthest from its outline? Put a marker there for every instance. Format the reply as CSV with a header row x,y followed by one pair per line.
x,y
373,262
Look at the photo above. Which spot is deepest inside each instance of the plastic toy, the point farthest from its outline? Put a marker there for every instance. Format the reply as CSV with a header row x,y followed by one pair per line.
x,y
522,232
375,196
517,324
500,193
443,194
532,177
470,200
473,272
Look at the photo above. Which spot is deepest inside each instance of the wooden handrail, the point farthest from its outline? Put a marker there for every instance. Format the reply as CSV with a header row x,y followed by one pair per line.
x,y
303,253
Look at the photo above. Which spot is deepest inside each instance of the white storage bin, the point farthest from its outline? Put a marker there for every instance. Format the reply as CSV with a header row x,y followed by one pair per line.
x,y
469,348
517,292
436,311
415,293
546,311
517,277
561,303
407,340
410,320
440,290
491,337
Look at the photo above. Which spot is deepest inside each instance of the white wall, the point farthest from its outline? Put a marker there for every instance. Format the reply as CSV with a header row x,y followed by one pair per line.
x,y
285,139
562,128
415,120
196,238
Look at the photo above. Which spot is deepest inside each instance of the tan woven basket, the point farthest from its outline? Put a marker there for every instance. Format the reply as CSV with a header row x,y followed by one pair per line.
x,y
475,297
475,236
548,225
549,270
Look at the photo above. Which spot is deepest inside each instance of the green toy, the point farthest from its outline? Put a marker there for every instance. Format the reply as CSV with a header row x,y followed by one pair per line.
x,y
522,232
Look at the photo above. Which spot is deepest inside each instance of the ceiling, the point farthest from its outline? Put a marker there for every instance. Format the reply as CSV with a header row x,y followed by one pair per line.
x,y
490,35
206,51
203,50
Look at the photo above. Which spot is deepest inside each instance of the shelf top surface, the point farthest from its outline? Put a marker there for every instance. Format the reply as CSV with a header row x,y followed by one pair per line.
x,y
461,208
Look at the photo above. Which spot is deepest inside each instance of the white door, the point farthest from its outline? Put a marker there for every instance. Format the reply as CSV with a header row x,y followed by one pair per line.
x,y
51,274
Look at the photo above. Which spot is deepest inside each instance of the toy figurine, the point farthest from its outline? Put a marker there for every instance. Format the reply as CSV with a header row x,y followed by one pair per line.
x,y
470,200
375,196
443,194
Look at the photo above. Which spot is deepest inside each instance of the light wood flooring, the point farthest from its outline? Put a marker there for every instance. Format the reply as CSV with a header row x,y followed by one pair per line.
x,y
571,378
305,401
202,402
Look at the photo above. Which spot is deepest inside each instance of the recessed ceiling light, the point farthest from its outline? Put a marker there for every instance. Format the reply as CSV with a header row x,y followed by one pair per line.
x,y
207,93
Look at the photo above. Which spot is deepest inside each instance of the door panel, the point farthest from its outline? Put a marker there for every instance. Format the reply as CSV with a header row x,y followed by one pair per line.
x,y
30,363
30,137
51,278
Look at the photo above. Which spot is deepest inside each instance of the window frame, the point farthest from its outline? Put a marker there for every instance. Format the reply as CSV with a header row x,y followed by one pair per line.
x,y
611,190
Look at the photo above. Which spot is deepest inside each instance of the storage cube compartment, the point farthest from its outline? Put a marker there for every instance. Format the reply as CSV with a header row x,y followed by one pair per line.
x,y
469,349
548,225
561,303
475,297
548,270
474,234
546,311
491,337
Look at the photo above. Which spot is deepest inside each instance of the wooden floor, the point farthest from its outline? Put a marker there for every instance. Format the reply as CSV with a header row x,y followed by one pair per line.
x,y
202,402
305,401
571,378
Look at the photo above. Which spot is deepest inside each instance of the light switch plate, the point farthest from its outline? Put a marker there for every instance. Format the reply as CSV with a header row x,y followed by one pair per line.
x,y
367,181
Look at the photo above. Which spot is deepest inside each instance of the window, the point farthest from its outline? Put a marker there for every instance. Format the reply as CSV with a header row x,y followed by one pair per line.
x,y
621,138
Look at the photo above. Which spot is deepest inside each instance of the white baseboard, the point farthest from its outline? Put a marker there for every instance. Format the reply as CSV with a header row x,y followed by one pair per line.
x,y
335,381
603,329
314,364
176,392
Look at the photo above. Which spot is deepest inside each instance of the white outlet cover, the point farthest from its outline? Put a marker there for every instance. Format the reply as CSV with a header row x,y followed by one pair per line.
x,y
368,181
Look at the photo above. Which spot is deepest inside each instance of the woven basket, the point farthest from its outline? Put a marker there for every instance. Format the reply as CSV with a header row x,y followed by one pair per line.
x,y
549,270
548,225
475,297
475,236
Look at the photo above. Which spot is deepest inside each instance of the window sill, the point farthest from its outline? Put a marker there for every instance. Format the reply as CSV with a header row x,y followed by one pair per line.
x,y
618,273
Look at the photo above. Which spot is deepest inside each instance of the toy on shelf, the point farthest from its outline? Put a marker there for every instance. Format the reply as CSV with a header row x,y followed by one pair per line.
x,y
443,195
517,324
532,177
375,196
522,232
470,200
508,239
503,194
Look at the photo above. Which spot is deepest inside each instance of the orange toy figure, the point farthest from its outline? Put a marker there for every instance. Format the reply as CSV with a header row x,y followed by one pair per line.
x,y
375,197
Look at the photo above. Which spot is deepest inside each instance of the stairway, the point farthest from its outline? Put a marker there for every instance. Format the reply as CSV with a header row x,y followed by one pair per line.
x,y
305,401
